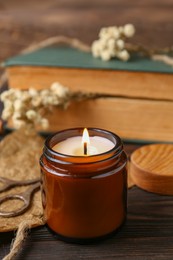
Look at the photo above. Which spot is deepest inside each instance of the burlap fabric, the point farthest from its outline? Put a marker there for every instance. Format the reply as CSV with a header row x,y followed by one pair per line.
x,y
19,160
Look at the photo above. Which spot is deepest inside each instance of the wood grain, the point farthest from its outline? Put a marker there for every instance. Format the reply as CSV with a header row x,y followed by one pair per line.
x,y
147,235
151,168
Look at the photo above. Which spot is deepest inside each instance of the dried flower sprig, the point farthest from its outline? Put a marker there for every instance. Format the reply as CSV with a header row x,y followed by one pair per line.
x,y
28,107
111,42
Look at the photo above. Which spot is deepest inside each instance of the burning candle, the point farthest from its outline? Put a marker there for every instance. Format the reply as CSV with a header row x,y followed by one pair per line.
x,y
84,184
84,145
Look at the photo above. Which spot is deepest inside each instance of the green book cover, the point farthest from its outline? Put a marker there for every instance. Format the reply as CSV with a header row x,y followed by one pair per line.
x,y
66,57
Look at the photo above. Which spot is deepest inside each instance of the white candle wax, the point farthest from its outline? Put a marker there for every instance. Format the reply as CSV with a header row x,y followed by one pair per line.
x,y
74,146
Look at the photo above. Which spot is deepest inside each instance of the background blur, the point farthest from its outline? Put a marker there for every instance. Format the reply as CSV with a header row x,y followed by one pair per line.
x,y
24,22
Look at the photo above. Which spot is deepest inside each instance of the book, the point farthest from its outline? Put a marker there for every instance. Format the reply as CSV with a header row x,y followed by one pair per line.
x,y
141,106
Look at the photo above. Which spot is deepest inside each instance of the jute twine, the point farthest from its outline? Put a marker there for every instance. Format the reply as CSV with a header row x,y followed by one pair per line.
x,y
18,242
73,42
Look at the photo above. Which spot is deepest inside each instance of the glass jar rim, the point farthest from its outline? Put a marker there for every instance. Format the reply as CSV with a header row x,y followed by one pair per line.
x,y
72,132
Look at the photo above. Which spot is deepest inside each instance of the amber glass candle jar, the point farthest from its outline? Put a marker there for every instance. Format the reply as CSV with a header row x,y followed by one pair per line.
x,y
84,197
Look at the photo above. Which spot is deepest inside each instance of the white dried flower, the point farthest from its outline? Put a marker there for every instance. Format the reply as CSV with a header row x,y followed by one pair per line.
x,y
59,90
55,101
36,101
11,91
32,92
129,30
7,113
121,30
105,55
18,94
102,43
18,105
7,95
27,106
8,104
25,96
47,100
95,50
113,53
51,100
94,45
111,42
103,32
17,115
123,55
120,44
44,92
19,123
115,32
31,114
4,96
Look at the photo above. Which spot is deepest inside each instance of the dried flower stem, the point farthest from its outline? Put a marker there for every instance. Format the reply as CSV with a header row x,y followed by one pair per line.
x,y
82,96
164,58
61,39
137,48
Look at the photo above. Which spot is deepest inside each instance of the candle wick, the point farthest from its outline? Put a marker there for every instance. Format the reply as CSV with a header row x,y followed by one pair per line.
x,y
85,148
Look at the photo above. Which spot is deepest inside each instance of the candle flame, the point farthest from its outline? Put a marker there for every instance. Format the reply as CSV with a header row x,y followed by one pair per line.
x,y
85,137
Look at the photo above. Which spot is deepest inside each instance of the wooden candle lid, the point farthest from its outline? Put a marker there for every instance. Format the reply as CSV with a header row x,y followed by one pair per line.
x,y
151,168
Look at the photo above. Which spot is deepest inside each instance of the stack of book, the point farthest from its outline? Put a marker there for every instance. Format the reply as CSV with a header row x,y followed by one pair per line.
x,y
141,102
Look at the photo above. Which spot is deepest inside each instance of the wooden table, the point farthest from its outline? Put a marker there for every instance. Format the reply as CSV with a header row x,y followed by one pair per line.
x,y
148,232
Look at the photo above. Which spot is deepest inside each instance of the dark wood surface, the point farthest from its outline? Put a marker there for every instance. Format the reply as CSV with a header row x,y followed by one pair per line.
x,y
146,235
148,232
